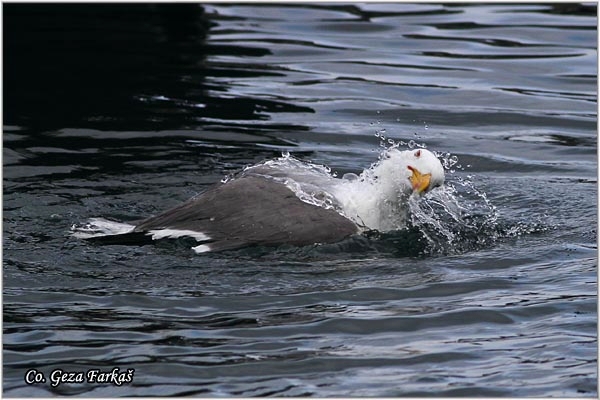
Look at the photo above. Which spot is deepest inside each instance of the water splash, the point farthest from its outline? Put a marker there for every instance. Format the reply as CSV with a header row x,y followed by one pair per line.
x,y
457,217
309,181
454,218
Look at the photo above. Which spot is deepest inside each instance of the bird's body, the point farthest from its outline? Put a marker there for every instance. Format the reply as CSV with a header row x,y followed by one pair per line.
x,y
285,201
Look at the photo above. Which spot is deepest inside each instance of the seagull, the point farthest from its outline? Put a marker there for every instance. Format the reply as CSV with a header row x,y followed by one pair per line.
x,y
286,202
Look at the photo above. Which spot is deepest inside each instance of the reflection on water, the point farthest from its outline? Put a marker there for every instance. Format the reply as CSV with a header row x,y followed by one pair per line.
x,y
126,110
140,67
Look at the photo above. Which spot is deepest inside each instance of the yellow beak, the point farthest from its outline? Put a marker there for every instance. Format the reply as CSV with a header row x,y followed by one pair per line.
x,y
419,181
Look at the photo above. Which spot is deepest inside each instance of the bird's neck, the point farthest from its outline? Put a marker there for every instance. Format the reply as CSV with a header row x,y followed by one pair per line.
x,y
374,200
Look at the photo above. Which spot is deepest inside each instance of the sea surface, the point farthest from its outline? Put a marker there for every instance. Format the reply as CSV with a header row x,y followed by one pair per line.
x,y
123,111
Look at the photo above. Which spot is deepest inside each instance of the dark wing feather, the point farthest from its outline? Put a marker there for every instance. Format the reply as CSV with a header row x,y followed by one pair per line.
x,y
131,238
253,210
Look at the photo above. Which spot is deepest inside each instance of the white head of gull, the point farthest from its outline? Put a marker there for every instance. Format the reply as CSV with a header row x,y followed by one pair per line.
x,y
377,199
286,201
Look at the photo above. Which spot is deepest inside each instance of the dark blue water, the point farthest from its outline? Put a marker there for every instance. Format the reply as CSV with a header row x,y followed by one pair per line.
x,y
123,111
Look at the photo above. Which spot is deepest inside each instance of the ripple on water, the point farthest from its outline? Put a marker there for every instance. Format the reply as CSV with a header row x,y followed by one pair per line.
x,y
490,290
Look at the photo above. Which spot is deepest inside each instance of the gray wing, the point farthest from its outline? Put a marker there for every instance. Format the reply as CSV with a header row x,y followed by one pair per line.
x,y
253,210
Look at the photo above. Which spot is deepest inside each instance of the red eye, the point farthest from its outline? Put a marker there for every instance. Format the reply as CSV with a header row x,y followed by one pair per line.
x,y
418,153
